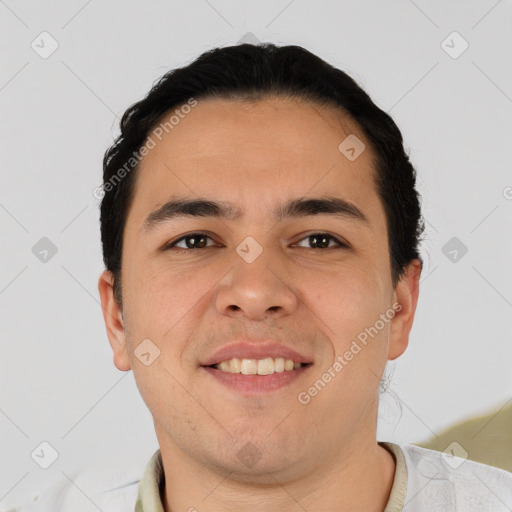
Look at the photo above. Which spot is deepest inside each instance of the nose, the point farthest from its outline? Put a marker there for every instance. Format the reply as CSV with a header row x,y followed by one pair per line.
x,y
257,290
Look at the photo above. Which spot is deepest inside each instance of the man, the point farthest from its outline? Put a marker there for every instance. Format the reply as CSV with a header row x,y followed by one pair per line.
x,y
260,229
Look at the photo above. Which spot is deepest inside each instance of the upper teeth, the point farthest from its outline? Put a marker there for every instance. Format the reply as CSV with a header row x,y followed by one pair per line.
x,y
265,366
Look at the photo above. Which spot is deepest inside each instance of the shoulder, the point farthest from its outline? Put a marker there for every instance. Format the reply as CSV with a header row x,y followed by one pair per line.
x,y
446,481
105,489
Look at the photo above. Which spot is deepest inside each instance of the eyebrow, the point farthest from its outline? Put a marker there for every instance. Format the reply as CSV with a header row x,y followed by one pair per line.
x,y
302,207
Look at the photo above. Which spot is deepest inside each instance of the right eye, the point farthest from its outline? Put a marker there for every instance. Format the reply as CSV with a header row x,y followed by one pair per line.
x,y
197,241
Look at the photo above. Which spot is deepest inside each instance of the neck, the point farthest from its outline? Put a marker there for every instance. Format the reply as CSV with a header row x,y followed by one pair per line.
x,y
351,480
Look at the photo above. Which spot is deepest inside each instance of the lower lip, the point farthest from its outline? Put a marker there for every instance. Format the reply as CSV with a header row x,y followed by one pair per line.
x,y
254,384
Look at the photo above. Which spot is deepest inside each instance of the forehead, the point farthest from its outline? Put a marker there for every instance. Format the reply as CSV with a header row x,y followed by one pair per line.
x,y
254,153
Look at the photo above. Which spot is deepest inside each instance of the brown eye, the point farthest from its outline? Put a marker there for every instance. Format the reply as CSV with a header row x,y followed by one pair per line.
x,y
192,241
322,241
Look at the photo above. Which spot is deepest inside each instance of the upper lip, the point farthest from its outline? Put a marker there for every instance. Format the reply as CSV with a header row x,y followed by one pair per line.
x,y
251,349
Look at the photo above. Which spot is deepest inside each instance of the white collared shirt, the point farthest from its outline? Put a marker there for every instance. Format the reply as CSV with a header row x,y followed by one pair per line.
x,y
425,481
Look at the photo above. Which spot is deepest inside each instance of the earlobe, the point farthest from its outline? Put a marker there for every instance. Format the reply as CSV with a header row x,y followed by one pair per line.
x,y
406,293
114,322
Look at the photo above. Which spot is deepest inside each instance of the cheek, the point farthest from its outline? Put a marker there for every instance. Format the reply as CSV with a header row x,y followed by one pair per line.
x,y
166,307
347,301
159,296
162,312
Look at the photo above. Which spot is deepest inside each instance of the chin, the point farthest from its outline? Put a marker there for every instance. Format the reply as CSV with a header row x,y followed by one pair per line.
x,y
267,470
259,458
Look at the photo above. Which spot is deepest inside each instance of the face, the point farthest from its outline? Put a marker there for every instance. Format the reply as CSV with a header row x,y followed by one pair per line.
x,y
252,279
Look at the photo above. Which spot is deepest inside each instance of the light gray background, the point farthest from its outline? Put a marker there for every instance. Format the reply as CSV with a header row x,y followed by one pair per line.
x,y
58,381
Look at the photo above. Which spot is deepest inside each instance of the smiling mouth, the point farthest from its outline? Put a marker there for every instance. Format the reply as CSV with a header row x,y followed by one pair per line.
x,y
266,366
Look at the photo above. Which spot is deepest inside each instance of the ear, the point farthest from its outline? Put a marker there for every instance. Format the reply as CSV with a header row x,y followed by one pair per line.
x,y
406,294
113,317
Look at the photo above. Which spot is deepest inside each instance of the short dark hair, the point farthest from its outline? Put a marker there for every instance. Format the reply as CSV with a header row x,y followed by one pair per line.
x,y
252,72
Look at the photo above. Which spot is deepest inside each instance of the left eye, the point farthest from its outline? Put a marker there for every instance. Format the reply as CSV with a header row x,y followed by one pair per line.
x,y
323,239
199,241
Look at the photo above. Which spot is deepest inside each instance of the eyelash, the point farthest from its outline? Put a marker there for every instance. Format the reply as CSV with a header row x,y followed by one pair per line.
x,y
341,245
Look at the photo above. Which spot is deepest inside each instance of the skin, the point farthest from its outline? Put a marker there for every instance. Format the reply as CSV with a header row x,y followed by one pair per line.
x,y
319,456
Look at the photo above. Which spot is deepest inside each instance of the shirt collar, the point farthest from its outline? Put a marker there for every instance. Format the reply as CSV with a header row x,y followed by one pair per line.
x,y
398,492
151,486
